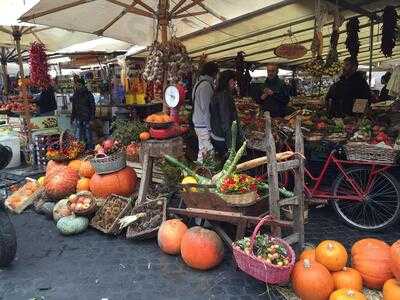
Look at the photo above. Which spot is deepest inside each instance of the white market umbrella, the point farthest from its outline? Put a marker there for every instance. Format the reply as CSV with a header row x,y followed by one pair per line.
x,y
135,21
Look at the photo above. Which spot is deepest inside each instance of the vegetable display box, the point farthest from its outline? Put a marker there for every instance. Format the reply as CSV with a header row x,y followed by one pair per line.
x,y
24,196
106,219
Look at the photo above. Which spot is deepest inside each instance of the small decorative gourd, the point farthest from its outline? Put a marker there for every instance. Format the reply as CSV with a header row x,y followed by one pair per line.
x,y
61,210
72,225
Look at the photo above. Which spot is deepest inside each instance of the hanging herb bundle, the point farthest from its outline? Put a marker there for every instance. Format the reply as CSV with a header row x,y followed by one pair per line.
x,y
352,40
389,30
39,68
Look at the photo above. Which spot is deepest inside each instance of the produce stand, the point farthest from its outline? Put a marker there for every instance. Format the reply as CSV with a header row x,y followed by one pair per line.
x,y
206,204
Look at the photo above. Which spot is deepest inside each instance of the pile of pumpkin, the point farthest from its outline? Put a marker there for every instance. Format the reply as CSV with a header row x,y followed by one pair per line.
x,y
200,248
63,180
322,273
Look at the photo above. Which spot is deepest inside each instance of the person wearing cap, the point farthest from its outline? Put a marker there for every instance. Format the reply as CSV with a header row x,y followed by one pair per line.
x,y
352,85
274,96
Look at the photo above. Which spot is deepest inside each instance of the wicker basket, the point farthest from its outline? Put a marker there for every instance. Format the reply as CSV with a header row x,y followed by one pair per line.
x,y
258,268
109,164
245,199
150,233
85,212
64,144
367,152
114,227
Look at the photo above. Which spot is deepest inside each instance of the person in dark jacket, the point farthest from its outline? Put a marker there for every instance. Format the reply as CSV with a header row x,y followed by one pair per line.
x,y
351,86
384,94
47,102
83,111
223,113
274,95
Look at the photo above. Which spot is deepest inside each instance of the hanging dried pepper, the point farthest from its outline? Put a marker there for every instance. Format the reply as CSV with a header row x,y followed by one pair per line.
x,y
39,68
389,30
352,40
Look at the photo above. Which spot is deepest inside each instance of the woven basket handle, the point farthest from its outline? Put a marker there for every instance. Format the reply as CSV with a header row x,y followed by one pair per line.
x,y
62,136
262,222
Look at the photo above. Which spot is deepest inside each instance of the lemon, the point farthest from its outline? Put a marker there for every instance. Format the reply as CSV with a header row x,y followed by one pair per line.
x,y
190,180
41,180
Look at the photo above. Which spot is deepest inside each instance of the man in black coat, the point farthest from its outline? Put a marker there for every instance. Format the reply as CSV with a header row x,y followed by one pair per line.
x,y
274,95
47,101
352,85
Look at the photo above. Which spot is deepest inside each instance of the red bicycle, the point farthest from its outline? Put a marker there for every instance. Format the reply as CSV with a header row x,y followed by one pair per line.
x,y
365,195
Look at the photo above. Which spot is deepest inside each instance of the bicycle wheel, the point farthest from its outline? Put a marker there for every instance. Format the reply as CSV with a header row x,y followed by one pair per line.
x,y
379,209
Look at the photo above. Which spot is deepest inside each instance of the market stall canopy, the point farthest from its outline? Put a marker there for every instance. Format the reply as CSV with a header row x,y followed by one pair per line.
x,y
134,21
104,44
260,32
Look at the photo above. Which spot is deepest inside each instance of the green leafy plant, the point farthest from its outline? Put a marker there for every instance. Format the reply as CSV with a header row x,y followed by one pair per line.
x,y
127,131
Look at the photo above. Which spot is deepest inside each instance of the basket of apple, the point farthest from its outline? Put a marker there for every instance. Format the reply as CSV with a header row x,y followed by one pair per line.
x,y
110,157
82,203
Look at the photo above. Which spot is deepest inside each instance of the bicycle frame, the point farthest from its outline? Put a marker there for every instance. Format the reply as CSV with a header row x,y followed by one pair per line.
x,y
315,190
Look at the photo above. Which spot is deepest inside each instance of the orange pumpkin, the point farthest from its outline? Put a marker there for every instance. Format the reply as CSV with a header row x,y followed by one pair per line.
x,y
371,257
391,290
347,278
308,253
332,255
201,248
61,184
395,259
347,294
121,183
170,235
75,164
311,280
83,184
86,169
53,166
144,136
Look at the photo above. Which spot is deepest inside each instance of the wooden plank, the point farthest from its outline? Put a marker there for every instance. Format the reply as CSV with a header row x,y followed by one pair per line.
x,y
198,13
158,176
147,175
298,210
274,208
187,7
288,165
292,239
177,6
289,201
223,235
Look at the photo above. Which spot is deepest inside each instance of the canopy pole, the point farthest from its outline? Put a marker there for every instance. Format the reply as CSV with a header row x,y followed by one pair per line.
x,y
371,49
4,72
17,38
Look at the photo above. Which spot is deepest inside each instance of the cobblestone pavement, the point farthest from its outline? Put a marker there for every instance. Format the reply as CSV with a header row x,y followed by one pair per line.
x,y
94,266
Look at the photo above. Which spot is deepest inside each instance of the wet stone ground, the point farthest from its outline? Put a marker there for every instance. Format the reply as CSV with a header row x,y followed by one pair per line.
x,y
95,266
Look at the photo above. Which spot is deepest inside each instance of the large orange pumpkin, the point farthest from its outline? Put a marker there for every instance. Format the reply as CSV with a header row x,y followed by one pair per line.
x,y
395,259
121,183
311,280
371,257
75,164
348,278
86,169
201,248
332,255
54,166
61,183
347,294
170,235
391,290
83,184
308,253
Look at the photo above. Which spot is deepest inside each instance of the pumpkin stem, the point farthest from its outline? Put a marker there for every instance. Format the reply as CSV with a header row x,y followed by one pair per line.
x,y
344,269
330,246
350,293
307,263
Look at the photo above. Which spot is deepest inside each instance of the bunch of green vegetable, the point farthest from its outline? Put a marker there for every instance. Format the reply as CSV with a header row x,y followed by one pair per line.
x,y
127,131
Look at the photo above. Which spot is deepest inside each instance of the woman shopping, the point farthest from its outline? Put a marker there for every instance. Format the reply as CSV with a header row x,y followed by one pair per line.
x,y
223,113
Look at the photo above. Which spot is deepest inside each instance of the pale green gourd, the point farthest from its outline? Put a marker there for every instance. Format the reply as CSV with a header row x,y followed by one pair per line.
x,y
72,225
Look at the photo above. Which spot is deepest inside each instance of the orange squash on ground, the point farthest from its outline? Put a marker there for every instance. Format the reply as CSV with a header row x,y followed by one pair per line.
x,y
86,169
332,255
347,294
201,248
348,278
371,257
53,166
75,164
395,259
121,183
391,290
170,235
61,184
308,253
83,184
311,280
144,136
